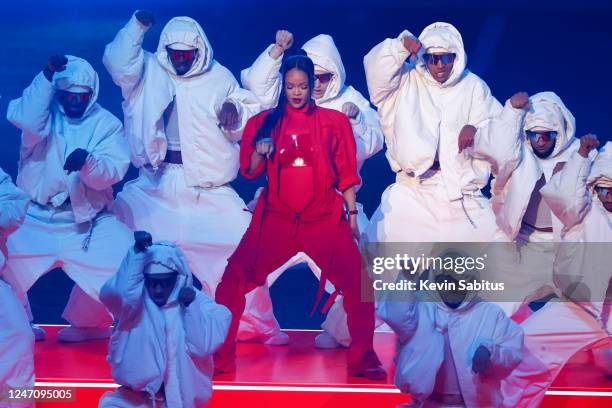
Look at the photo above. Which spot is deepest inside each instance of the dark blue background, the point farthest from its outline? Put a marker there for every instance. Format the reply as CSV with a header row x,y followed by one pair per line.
x,y
563,46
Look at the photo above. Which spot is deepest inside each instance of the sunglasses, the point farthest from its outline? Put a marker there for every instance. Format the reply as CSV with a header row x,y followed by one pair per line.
x,y
182,55
434,59
603,191
74,97
324,78
544,136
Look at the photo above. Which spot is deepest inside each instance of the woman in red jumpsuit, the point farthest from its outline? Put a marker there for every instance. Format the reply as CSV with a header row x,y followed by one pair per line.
x,y
308,154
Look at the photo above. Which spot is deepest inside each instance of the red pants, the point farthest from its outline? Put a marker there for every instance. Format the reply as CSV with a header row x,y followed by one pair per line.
x,y
262,250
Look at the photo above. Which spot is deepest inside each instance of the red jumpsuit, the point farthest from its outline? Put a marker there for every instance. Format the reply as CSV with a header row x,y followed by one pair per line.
x,y
300,209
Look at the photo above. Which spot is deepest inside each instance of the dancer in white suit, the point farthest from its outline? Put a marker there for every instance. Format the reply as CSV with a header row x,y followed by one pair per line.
x,y
184,115
16,338
580,197
166,331
72,152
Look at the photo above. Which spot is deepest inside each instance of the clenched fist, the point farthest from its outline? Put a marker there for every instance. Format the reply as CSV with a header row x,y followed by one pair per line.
x,y
55,63
412,45
351,110
481,360
466,137
142,240
588,142
76,160
145,17
520,100
283,41
186,296
265,146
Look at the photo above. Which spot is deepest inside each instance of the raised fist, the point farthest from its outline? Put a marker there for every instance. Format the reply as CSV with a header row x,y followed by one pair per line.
x,y
520,100
145,17
55,63
142,240
588,142
412,45
283,41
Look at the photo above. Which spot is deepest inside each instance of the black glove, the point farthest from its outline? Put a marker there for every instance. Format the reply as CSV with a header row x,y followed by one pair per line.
x,y
481,359
55,63
186,296
145,17
142,240
76,160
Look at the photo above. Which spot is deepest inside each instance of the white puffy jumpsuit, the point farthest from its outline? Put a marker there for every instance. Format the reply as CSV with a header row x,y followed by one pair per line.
x,y
525,261
436,196
68,224
191,204
436,345
581,275
154,346
16,338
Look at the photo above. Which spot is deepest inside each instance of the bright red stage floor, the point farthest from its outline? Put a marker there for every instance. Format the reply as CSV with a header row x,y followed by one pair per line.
x,y
298,375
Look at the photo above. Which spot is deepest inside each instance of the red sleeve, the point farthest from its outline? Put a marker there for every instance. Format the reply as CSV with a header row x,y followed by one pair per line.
x,y
345,155
247,148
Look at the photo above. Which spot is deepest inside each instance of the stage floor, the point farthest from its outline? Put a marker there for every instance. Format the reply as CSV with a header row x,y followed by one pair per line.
x,y
297,375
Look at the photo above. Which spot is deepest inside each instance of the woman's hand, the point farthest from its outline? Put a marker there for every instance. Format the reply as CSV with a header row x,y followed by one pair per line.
x,y
265,146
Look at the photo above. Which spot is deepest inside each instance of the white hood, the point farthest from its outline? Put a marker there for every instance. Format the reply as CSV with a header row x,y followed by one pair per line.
x,y
445,251
171,258
444,36
78,75
549,112
323,52
187,32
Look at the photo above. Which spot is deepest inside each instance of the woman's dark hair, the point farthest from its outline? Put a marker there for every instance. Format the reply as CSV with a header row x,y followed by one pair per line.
x,y
304,64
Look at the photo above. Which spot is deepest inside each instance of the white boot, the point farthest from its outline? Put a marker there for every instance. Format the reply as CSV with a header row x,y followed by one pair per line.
x,y
278,339
326,341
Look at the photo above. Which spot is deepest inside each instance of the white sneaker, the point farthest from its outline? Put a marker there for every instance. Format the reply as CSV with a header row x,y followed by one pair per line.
x,y
326,341
39,333
278,339
73,334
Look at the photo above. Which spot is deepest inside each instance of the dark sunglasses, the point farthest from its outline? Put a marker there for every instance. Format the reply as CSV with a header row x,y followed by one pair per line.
x,y
324,78
168,282
434,59
545,136
603,191
183,55
74,97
